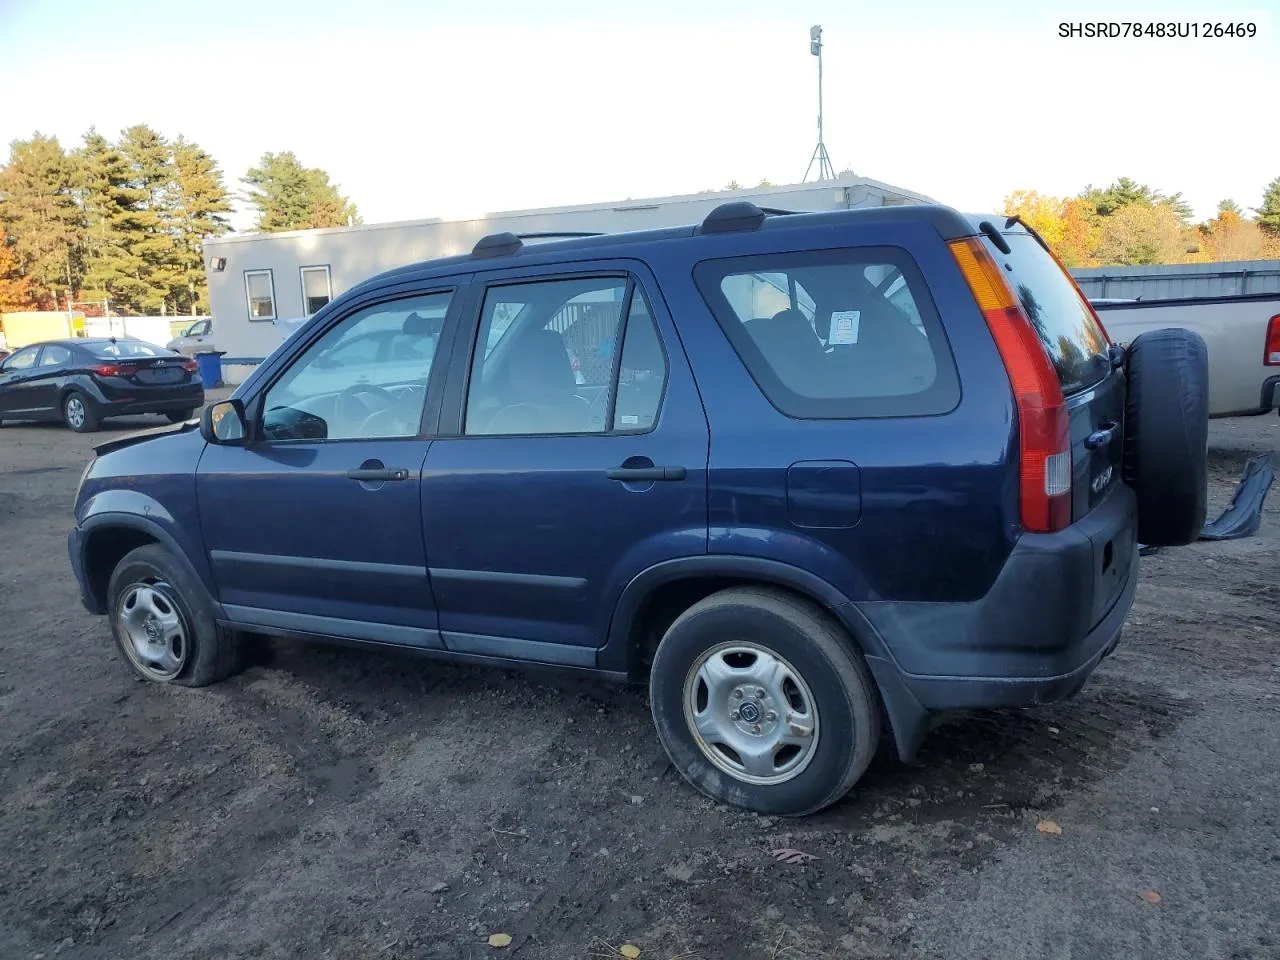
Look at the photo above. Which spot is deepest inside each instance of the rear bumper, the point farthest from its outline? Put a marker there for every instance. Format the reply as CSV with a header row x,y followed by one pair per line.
x,y
1055,611
187,396
1268,401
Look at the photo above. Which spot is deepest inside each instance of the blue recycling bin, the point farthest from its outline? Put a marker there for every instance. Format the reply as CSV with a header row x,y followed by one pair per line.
x,y
210,364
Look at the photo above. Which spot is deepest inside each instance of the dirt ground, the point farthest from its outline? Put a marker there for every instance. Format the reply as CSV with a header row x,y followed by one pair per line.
x,y
342,804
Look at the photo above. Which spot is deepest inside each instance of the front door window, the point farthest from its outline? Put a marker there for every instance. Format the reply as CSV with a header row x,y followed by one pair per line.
x,y
366,378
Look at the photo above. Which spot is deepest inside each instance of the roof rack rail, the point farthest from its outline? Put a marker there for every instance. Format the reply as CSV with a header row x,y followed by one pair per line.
x,y
739,215
506,243
560,233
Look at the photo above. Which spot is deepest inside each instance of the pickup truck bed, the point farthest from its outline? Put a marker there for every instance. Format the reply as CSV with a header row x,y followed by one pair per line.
x,y
1236,331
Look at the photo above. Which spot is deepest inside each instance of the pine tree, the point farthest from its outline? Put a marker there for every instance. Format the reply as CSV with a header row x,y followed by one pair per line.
x,y
151,238
1269,212
199,203
1125,191
38,211
290,196
109,203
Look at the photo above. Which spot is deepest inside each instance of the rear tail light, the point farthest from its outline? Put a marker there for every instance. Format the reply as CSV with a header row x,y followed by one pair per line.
x,y
109,370
190,366
1044,438
1271,355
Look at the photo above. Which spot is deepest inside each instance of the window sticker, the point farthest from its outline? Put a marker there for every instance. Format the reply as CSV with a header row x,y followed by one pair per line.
x,y
844,326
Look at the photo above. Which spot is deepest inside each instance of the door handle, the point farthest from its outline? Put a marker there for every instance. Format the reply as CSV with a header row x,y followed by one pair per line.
x,y
646,474
1102,437
378,474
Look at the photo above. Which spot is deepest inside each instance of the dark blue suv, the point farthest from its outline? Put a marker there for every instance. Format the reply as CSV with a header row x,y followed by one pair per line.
x,y
810,476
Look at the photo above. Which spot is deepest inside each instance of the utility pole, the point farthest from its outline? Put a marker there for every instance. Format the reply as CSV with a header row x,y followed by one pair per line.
x,y
825,170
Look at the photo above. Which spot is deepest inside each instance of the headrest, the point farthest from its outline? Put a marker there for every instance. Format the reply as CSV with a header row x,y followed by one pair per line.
x,y
416,325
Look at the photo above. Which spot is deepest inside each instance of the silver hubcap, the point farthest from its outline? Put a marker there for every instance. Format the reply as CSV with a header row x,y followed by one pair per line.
x,y
75,412
751,713
154,631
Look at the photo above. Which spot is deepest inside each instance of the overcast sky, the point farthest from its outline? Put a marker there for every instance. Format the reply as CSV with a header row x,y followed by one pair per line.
x,y
433,108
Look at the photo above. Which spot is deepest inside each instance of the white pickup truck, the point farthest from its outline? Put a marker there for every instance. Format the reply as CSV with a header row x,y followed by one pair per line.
x,y
1242,334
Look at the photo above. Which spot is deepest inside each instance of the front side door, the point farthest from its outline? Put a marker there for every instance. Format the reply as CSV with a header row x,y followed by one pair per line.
x,y
16,380
314,525
577,459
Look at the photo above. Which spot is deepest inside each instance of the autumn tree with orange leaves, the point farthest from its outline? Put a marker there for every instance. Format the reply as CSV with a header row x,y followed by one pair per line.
x,y
1132,223
15,289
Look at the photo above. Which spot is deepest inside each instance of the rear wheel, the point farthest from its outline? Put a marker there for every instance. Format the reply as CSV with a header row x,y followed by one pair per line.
x,y
78,413
761,701
163,621
1166,435
181,416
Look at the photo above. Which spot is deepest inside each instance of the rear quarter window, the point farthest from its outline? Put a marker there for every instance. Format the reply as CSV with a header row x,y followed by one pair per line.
x,y
835,334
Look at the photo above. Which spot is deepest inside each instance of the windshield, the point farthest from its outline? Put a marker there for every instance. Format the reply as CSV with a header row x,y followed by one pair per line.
x,y
1071,334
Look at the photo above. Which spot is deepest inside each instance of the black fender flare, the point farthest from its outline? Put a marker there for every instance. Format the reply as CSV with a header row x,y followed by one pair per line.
x,y
131,521
908,720
616,654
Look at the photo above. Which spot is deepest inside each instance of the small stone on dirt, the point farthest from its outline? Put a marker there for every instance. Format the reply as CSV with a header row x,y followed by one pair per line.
x,y
680,871
441,887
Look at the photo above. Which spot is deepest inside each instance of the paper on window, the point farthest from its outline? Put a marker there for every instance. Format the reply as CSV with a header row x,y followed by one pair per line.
x,y
844,326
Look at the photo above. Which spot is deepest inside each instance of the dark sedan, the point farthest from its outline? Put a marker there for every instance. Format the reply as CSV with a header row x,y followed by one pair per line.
x,y
83,381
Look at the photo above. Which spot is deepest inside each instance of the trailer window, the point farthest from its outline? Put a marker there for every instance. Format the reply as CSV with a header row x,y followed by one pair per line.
x,y
260,290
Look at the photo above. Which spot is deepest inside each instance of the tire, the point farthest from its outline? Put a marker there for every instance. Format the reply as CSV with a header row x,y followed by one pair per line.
x,y
182,416
187,648
78,412
826,668
1166,435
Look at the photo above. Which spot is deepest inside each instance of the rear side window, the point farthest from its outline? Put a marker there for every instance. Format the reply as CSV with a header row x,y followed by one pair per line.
x,y
1067,327
835,333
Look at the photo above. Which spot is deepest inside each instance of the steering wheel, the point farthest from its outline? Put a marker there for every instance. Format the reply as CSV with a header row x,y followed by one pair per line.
x,y
353,405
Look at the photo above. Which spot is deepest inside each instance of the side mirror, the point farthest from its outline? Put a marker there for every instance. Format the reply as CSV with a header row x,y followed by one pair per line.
x,y
224,423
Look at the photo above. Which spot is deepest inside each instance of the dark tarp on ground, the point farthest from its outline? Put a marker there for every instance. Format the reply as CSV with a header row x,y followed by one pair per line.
x,y
1243,515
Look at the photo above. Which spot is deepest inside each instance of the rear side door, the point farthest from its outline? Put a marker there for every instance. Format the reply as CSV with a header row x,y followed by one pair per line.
x,y
572,455
314,525
52,367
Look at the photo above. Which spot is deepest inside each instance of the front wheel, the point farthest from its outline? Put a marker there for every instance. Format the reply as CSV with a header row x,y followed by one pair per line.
x,y
78,413
163,621
763,702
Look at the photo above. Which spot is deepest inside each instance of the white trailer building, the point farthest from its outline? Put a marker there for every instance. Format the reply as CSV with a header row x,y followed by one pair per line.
x,y
258,280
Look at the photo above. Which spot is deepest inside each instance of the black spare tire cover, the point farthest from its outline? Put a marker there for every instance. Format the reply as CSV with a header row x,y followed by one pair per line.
x,y
1166,434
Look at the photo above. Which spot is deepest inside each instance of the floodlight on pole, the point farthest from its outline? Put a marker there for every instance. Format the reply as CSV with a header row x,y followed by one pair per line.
x,y
825,170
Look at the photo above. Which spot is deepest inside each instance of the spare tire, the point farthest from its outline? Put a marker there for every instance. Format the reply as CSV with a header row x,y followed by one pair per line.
x,y
1166,435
